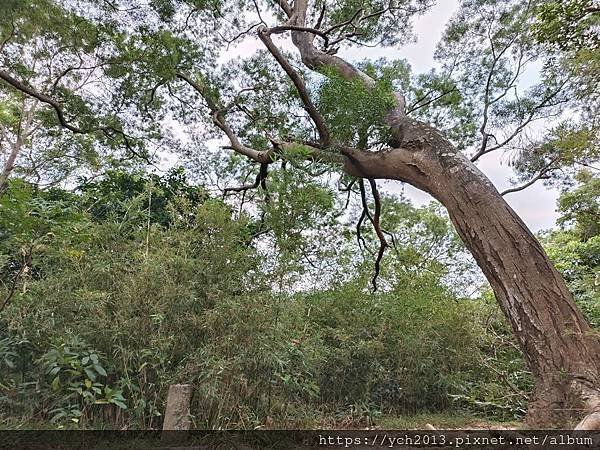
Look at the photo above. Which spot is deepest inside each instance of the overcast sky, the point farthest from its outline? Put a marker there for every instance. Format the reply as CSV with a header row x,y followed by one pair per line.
x,y
536,205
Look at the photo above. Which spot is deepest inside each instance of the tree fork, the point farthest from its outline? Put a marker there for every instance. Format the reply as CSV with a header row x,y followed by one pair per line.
x,y
559,345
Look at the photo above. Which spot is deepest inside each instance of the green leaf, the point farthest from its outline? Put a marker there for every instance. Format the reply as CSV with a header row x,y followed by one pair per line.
x,y
120,404
100,369
91,375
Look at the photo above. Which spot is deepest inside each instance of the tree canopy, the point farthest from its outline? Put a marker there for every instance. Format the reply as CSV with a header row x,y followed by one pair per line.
x,y
288,142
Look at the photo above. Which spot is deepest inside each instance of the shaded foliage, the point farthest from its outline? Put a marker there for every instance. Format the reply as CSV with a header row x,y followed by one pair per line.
x,y
115,308
575,248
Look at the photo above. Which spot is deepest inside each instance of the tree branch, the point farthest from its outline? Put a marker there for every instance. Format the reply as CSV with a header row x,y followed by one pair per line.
x,y
383,244
285,6
313,151
487,92
218,118
318,60
262,175
375,220
316,117
417,105
542,175
43,98
283,28
344,23
530,118
107,131
362,244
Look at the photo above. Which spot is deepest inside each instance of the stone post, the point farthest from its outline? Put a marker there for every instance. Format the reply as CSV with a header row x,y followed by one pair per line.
x,y
177,414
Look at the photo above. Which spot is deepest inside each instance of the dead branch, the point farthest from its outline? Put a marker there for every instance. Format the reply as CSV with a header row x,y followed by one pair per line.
x,y
375,220
383,244
262,174
218,118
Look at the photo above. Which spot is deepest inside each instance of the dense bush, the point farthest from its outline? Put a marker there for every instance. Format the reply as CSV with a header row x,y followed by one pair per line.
x,y
575,246
114,307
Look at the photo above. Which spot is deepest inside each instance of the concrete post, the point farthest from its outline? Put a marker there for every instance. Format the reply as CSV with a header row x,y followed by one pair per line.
x,y
177,415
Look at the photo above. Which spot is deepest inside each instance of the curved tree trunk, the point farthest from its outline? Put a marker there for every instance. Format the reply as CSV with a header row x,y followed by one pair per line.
x,y
560,347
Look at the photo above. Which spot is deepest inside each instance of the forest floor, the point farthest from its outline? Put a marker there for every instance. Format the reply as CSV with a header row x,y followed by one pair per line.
x,y
424,421
441,421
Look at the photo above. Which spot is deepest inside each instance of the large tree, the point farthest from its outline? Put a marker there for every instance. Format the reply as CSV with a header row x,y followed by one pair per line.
x,y
148,65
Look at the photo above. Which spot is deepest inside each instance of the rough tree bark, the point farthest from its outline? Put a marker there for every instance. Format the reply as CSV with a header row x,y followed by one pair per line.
x,y
561,349
559,345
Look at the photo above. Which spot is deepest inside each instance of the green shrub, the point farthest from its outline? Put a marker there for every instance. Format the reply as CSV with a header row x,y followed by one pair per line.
x,y
114,309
